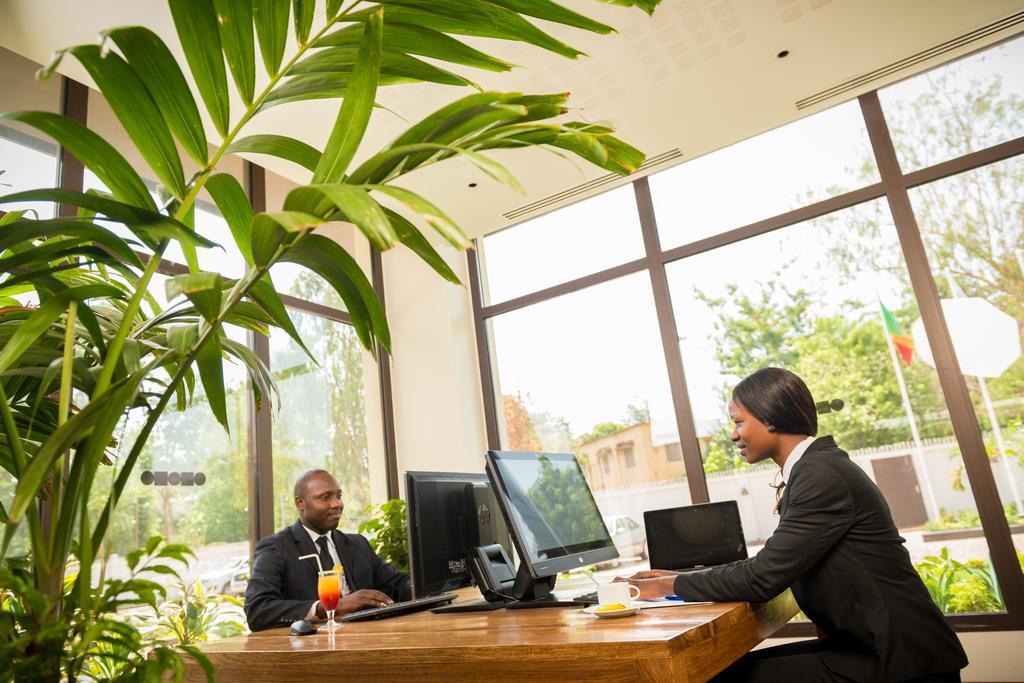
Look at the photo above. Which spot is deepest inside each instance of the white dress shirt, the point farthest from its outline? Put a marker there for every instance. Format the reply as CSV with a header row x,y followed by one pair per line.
x,y
333,551
794,456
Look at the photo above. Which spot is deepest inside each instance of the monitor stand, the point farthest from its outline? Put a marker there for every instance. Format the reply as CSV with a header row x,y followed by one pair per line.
x,y
532,593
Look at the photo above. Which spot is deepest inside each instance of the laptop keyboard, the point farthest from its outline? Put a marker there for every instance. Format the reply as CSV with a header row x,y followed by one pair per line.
x,y
394,609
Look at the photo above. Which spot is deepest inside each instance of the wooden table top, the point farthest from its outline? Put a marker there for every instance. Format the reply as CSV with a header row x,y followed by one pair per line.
x,y
684,642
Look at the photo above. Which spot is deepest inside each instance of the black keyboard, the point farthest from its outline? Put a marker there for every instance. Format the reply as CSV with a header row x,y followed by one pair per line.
x,y
394,609
586,598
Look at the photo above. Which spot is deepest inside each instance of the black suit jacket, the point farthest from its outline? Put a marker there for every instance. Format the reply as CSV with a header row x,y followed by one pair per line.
x,y
837,547
282,588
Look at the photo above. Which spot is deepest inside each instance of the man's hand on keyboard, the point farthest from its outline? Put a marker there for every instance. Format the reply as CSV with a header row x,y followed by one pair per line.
x,y
366,598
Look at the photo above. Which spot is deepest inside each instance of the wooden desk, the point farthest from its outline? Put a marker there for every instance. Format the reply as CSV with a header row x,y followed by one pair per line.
x,y
684,643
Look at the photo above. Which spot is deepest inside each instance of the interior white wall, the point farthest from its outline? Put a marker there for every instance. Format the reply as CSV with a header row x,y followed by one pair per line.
x,y
439,420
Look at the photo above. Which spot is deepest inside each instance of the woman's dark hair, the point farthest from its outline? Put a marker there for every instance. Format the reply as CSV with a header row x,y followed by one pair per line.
x,y
779,398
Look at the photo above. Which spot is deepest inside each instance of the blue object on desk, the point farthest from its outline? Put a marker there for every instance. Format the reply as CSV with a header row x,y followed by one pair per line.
x,y
673,597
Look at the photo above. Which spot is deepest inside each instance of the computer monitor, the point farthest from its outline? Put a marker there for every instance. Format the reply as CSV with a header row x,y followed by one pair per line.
x,y
448,514
695,536
554,519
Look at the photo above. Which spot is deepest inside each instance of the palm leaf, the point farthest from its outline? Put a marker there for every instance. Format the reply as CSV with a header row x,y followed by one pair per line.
x,y
355,109
271,17
234,18
138,113
155,65
278,146
95,153
418,40
196,25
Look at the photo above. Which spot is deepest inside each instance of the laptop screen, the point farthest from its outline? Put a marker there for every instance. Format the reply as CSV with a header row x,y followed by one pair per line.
x,y
695,536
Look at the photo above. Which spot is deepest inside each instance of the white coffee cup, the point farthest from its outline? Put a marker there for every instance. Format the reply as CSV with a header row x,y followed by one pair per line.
x,y
618,592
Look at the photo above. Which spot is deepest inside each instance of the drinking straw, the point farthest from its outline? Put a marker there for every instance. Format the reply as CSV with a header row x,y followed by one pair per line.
x,y
315,557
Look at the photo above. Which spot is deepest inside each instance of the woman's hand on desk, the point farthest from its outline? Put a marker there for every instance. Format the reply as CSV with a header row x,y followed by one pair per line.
x,y
367,598
654,584
653,574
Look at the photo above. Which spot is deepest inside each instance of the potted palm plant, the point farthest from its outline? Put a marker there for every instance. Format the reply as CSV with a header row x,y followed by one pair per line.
x,y
81,345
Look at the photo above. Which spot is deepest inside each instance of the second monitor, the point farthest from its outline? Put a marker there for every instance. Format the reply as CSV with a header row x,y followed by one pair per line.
x,y
449,513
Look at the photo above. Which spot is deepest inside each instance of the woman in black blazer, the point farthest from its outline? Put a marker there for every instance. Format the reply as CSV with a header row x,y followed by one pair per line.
x,y
835,546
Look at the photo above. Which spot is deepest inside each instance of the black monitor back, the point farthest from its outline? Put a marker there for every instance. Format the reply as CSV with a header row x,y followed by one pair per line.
x,y
695,536
449,513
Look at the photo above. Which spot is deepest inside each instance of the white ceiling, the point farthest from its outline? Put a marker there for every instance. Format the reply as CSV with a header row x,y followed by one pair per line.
x,y
697,76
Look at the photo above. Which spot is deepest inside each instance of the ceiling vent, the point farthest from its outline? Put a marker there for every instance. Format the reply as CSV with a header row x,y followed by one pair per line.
x,y
858,83
590,186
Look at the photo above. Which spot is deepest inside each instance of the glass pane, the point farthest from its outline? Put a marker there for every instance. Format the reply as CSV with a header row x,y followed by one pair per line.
x,y
20,543
958,108
810,298
26,164
28,159
198,494
592,235
812,159
971,225
585,373
322,418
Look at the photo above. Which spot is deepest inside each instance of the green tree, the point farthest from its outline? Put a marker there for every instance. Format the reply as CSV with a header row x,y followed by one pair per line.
x,y
971,223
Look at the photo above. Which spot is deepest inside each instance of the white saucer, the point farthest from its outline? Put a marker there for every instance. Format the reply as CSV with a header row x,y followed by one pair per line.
x,y
611,613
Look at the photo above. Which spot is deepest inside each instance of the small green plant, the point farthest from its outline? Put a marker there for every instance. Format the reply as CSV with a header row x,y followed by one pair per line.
x,y
959,587
196,616
388,532
98,644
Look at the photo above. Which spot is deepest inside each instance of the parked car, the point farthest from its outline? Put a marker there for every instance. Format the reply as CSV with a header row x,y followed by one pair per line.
x,y
629,537
229,579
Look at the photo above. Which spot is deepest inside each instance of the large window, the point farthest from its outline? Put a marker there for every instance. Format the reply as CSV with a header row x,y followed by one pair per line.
x,y
971,224
780,299
585,373
830,298
322,418
190,484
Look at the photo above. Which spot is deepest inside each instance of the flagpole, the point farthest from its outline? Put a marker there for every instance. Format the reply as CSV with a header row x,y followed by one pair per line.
x,y
918,452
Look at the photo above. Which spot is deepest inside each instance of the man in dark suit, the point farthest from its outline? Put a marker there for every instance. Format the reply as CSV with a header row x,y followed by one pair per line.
x,y
282,588
836,546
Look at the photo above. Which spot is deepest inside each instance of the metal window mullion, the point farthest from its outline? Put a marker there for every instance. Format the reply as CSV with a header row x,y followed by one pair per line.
x,y
387,403
483,351
261,434
690,444
954,387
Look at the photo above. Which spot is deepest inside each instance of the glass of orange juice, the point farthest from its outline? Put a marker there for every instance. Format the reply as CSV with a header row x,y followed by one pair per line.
x,y
328,588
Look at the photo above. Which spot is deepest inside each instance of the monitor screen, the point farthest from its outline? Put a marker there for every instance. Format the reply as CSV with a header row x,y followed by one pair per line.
x,y
448,513
553,516
695,536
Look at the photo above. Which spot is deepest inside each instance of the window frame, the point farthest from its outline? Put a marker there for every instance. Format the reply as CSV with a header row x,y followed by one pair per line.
x,y
892,187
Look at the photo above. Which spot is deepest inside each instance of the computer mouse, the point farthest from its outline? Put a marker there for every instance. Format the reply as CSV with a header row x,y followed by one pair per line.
x,y
301,628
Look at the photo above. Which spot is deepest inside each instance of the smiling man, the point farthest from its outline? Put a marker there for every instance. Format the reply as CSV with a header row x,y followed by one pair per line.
x,y
282,588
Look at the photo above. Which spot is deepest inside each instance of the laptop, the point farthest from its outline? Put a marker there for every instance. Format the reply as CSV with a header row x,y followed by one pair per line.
x,y
695,536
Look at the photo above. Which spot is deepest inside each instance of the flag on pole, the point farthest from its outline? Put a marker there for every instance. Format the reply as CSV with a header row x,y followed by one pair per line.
x,y
904,343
